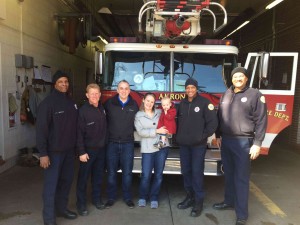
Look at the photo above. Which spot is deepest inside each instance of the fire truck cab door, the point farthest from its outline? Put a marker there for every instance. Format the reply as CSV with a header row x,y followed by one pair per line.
x,y
274,74
273,71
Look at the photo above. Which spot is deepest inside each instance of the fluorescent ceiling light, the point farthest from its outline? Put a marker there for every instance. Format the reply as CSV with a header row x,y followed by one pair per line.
x,y
271,5
243,24
104,10
103,39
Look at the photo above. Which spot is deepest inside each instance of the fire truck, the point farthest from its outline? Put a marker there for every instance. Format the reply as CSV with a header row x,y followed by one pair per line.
x,y
164,66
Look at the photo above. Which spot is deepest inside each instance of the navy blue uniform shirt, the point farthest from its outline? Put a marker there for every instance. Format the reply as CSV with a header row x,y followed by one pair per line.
x,y
56,124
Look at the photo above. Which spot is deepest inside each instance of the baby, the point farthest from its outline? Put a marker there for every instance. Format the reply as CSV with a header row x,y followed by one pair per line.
x,y
167,120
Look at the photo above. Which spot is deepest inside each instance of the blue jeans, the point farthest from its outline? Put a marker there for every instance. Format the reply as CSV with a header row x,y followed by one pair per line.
x,y
119,155
152,161
192,169
94,167
58,178
236,162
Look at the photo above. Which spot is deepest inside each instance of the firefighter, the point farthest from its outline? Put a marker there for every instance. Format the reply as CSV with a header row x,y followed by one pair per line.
x,y
197,120
91,137
56,141
242,125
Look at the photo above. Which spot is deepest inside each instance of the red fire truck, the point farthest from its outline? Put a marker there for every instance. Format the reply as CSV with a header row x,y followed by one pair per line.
x,y
164,68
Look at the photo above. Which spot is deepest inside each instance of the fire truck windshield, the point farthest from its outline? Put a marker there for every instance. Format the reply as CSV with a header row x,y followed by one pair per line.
x,y
154,71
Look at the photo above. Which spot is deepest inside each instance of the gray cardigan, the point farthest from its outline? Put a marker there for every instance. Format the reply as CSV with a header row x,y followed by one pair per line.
x,y
146,130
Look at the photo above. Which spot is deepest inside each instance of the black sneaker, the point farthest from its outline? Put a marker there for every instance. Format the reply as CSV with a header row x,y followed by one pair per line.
x,y
99,205
130,204
109,203
82,211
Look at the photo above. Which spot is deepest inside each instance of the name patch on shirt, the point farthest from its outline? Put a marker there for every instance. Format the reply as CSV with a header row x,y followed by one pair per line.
x,y
244,99
59,112
89,124
210,106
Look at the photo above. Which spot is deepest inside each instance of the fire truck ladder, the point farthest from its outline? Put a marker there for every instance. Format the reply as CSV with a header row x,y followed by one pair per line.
x,y
171,19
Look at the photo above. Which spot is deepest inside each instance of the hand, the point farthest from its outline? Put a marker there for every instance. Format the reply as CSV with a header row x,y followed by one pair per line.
x,y
162,130
44,162
254,152
219,141
84,158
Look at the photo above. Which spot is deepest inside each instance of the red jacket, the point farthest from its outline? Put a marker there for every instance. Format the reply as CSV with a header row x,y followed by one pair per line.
x,y
168,120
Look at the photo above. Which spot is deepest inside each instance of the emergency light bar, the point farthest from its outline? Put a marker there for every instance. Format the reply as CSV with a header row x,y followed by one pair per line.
x,y
217,42
123,40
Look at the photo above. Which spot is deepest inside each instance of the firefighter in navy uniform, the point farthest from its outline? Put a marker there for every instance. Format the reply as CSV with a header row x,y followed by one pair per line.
x,y
197,120
91,138
242,125
56,141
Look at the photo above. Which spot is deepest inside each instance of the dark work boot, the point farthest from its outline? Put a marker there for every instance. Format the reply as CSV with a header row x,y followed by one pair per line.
x,y
197,209
187,202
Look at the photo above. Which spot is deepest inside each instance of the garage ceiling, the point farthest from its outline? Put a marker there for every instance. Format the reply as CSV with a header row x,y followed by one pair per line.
x,y
119,18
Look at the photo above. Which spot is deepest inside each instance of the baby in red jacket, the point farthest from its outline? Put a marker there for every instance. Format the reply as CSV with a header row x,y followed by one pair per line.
x,y
167,120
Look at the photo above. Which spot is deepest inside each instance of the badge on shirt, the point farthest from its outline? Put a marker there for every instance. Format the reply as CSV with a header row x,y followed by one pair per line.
x,y
197,109
75,106
262,99
211,107
244,99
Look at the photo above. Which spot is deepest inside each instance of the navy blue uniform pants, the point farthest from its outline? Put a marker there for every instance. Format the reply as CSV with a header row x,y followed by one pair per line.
x,y
94,167
192,169
58,178
236,162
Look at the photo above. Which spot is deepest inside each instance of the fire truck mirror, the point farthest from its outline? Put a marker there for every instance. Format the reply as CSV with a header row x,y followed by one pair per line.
x,y
264,65
98,62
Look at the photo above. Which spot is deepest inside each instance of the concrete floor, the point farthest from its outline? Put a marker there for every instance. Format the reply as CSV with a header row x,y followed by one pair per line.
x,y
274,198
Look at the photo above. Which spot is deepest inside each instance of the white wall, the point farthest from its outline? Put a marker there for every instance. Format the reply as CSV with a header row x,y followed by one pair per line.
x,y
29,28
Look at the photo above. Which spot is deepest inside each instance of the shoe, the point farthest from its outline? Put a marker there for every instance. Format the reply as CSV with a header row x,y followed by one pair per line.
x,y
197,209
223,206
160,144
50,223
154,204
109,203
187,202
240,222
99,205
156,145
82,211
142,203
68,215
130,204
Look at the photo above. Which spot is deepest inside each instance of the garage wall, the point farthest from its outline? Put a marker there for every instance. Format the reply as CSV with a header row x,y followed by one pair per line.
x,y
29,28
276,30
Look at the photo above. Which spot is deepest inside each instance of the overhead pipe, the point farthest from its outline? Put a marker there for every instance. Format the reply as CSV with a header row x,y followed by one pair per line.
x,y
142,11
225,16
